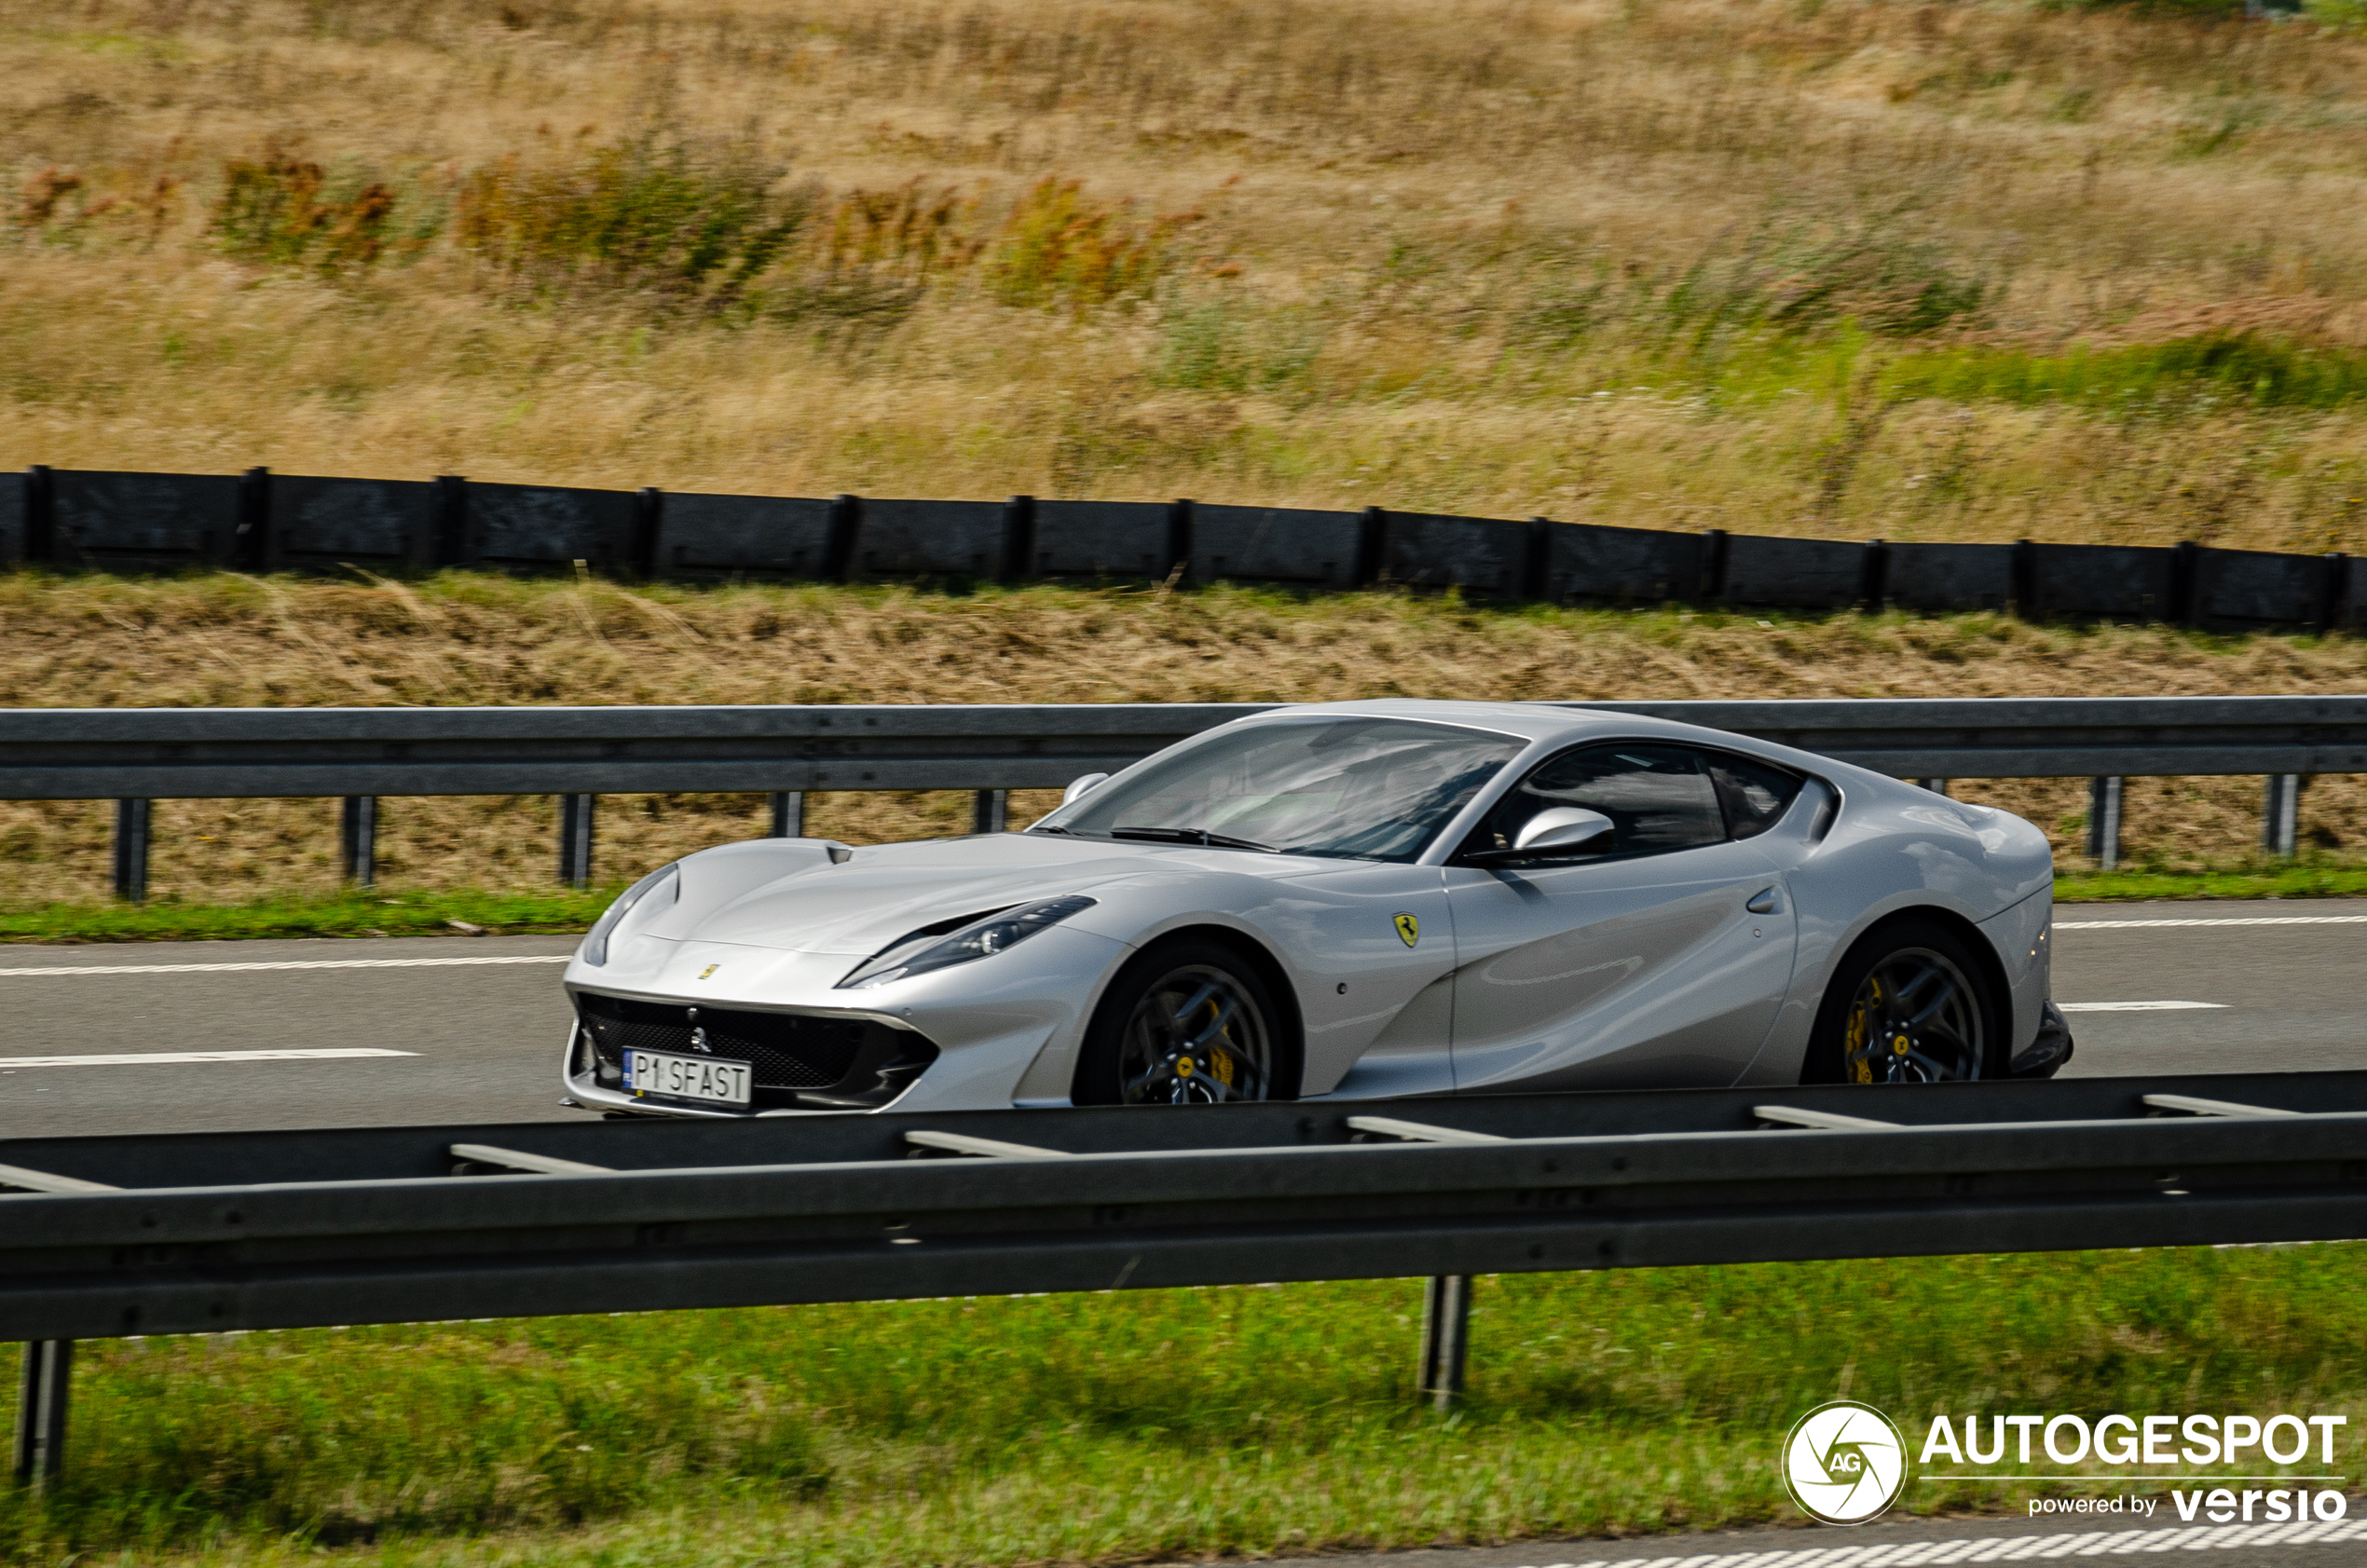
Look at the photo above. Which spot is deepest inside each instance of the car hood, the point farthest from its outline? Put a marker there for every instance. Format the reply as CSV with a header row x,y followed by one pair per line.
x,y
885,891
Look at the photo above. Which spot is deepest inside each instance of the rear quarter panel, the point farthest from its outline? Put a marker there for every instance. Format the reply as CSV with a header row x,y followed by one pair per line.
x,y
1892,847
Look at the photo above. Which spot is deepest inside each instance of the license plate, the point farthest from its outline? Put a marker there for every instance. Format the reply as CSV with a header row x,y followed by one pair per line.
x,y
654,1072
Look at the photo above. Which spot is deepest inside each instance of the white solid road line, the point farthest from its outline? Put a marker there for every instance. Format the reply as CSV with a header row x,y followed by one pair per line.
x,y
2215,919
2136,1006
2011,1549
143,1058
244,968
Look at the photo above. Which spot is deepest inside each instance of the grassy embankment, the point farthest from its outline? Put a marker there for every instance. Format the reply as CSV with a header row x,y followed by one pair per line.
x,y
1920,270
268,866
1115,1428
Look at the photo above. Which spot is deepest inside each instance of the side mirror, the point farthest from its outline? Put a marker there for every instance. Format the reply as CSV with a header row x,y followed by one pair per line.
x,y
1563,828
1080,787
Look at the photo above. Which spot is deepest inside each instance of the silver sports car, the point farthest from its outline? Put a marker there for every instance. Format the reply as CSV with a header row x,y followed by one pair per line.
x,y
1345,900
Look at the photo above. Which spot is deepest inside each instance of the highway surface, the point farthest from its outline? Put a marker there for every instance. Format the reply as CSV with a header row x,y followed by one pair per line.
x,y
189,1036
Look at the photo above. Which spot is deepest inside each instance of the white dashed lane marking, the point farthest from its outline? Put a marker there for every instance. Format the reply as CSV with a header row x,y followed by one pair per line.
x,y
155,1058
49,972
2137,1006
2012,1549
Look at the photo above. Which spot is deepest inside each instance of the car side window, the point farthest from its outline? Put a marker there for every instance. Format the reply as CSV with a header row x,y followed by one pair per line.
x,y
1756,794
1658,797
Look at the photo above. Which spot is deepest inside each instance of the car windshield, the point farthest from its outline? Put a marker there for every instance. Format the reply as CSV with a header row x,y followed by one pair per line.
x,y
1361,788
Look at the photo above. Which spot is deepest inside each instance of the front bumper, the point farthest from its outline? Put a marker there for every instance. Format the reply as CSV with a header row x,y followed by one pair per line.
x,y
2044,1056
797,1061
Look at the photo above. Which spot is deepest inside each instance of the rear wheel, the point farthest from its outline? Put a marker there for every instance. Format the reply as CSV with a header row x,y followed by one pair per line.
x,y
1186,1023
1909,1004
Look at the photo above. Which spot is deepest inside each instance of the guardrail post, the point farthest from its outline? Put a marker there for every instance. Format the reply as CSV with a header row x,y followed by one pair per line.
x,y
1937,787
1873,578
2333,592
1179,541
789,813
1536,560
2281,815
41,1411
1446,1333
2103,823
40,514
131,850
1018,540
1371,545
1713,583
990,811
251,546
845,528
575,840
358,840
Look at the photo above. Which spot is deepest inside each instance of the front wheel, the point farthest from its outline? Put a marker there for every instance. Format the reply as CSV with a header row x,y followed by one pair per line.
x,y
1909,1004
1186,1023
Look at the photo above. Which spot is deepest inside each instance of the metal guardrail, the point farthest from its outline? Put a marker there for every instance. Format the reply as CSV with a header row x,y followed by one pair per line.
x,y
196,1233
136,754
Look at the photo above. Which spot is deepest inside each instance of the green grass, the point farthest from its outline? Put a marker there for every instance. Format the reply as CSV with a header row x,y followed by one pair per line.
x,y
2299,881
2239,367
346,914
1121,1427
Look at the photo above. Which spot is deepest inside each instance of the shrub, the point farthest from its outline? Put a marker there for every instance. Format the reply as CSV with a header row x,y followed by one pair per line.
x,y
1058,248
284,209
672,221
1875,272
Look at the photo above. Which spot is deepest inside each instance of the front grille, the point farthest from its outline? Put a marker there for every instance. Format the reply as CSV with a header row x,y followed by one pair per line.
x,y
785,1050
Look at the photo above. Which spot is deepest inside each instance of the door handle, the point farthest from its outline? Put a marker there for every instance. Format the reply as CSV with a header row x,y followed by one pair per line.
x,y
1764,903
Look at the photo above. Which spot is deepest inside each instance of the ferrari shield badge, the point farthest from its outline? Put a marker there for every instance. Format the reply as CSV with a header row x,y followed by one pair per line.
x,y
1409,929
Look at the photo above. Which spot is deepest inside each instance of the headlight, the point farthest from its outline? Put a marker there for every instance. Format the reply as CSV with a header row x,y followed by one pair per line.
x,y
662,885
928,951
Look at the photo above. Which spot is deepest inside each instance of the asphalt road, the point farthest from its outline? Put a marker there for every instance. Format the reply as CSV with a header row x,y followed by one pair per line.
x,y
470,1029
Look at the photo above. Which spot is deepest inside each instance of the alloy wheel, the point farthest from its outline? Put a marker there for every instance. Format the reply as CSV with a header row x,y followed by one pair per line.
x,y
1197,1036
1915,1020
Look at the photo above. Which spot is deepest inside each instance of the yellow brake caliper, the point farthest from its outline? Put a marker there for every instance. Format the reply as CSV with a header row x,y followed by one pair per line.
x,y
1859,1061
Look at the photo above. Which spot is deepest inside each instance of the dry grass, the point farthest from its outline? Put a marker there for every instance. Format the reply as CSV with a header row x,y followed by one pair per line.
x,y
234,641
1676,263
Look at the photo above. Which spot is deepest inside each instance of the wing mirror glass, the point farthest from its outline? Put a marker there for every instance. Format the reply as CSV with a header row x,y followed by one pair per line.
x,y
1079,786
1558,830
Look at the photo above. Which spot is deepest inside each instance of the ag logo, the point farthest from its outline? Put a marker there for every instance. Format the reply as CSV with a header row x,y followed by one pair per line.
x,y
1844,1463
1409,929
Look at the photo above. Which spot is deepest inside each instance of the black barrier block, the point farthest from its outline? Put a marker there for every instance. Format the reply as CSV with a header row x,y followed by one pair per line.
x,y
1794,574
1273,544
319,525
1480,555
2101,582
143,522
1644,566
757,536
929,538
2236,589
13,488
546,527
1101,540
1939,577
2350,600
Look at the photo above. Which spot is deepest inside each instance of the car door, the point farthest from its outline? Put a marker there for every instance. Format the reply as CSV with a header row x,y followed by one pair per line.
x,y
1659,960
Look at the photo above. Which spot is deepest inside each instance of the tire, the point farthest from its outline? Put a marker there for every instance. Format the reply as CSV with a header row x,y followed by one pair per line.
x,y
1187,1022
1910,1003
